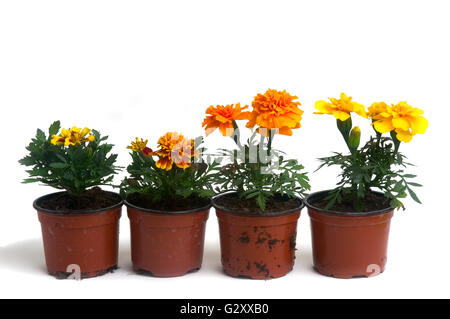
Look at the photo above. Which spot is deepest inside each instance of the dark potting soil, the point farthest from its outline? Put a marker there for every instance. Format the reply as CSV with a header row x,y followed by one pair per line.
x,y
276,204
372,203
174,205
92,199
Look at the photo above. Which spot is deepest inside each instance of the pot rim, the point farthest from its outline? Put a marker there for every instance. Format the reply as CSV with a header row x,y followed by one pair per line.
x,y
321,194
285,212
163,212
81,212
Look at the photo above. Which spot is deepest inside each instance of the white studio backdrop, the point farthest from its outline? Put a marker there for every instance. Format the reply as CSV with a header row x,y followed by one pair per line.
x,y
142,68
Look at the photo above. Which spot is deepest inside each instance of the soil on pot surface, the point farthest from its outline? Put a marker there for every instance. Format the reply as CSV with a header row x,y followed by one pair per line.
x,y
92,199
372,203
174,205
250,206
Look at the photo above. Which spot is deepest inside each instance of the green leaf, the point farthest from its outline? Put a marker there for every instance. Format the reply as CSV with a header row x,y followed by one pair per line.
x,y
54,128
27,161
30,180
415,184
62,158
261,201
413,195
58,165
40,135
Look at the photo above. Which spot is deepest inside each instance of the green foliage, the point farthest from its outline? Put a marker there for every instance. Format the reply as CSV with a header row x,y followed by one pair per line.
x,y
74,168
146,178
376,165
256,171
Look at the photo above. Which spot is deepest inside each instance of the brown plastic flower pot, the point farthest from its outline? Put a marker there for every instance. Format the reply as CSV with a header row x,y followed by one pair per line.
x,y
257,247
167,244
83,244
348,245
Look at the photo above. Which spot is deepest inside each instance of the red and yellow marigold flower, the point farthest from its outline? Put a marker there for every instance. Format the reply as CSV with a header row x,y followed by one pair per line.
x,y
402,117
73,137
140,146
340,108
275,110
174,148
222,117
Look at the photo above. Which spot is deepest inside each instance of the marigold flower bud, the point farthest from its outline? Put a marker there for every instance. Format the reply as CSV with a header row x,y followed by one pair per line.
x,y
355,137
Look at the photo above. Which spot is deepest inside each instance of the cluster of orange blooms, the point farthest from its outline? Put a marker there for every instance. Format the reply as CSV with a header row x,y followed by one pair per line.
x,y
174,148
273,110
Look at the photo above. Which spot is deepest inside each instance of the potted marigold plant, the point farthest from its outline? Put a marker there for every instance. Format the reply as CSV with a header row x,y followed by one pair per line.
x,y
259,205
350,224
168,200
79,224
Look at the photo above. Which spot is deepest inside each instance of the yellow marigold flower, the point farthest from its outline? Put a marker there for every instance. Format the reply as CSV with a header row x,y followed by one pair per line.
x,y
222,117
402,117
73,137
174,148
340,108
275,110
140,146
378,110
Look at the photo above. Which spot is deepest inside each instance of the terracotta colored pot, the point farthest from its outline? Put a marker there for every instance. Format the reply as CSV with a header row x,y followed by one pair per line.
x,y
347,245
83,244
257,247
167,244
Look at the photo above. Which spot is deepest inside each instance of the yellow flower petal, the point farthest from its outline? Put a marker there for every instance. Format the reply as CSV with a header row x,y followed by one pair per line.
x,y
65,132
419,124
404,136
323,107
85,132
340,115
359,109
401,123
383,126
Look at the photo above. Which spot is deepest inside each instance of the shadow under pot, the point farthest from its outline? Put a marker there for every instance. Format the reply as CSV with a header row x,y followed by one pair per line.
x,y
257,246
83,244
167,243
348,244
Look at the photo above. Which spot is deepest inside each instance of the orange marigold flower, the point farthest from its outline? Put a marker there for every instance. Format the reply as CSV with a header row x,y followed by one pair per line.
x,y
222,117
275,110
174,148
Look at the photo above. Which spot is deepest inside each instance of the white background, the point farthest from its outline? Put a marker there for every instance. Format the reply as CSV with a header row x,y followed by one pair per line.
x,y
142,68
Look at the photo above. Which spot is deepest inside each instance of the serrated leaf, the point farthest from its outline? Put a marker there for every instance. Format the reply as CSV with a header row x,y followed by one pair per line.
x,y
40,135
54,128
27,161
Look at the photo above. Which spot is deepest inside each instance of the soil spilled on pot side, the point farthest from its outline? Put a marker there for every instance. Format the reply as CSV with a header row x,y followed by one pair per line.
x,y
92,199
174,205
373,202
250,206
